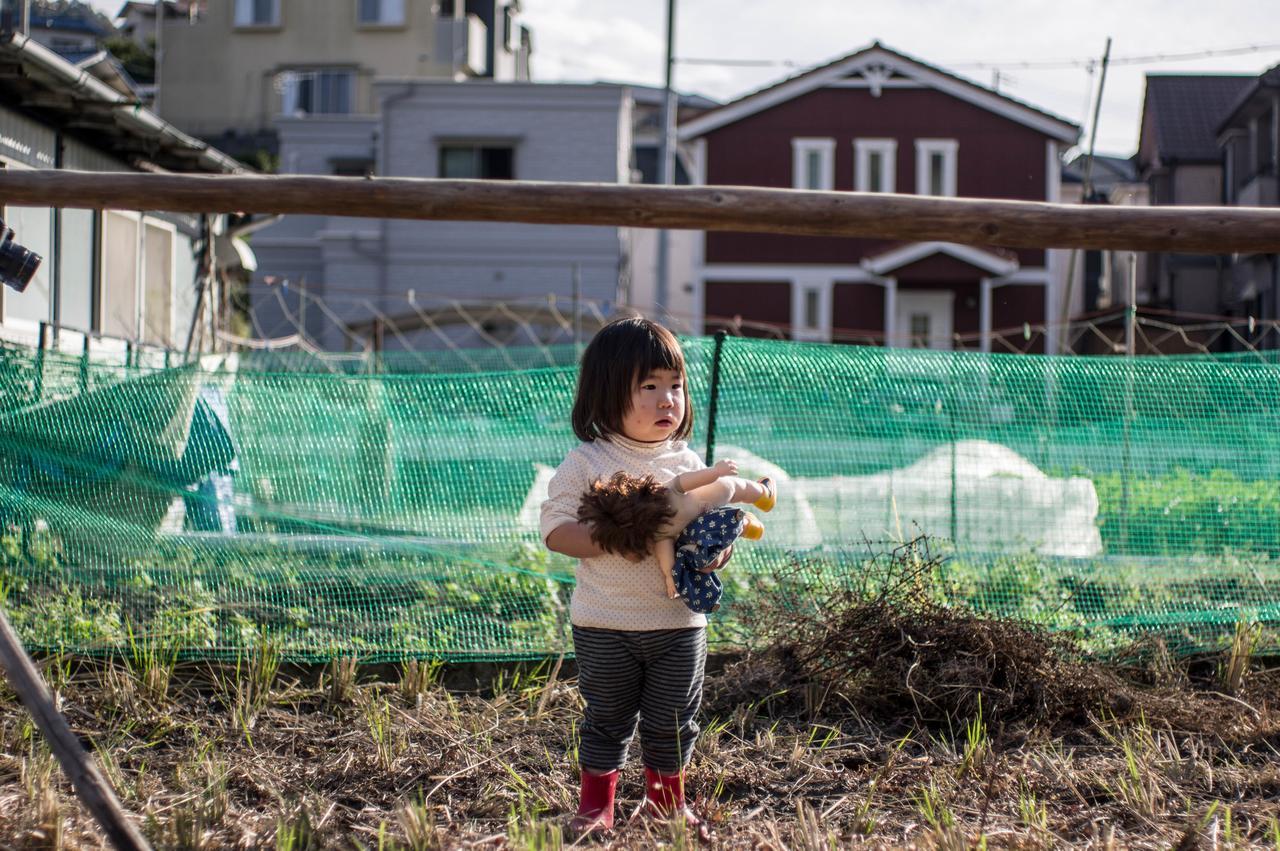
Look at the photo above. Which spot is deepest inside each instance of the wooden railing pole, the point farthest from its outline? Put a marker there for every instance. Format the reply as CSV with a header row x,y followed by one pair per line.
x,y
90,786
909,218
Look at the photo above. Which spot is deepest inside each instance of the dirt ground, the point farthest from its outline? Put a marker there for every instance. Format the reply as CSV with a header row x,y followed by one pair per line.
x,y
862,719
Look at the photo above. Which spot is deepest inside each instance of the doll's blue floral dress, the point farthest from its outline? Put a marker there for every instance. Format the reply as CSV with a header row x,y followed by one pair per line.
x,y
700,544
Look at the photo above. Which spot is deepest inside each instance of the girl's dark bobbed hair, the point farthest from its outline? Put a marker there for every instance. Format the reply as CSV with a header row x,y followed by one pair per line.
x,y
620,354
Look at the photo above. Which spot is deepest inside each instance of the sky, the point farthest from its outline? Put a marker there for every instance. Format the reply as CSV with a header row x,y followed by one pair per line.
x,y
624,41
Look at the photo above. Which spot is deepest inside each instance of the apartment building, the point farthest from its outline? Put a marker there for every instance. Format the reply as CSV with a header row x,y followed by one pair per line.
x,y
229,72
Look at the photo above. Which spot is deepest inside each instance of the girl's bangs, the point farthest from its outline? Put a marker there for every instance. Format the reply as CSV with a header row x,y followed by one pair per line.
x,y
662,352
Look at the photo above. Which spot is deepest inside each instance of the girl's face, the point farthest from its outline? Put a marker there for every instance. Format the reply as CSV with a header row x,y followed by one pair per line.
x,y
657,406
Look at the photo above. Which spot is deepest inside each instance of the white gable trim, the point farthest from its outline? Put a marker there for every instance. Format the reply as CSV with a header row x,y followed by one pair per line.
x,y
877,57
857,83
909,254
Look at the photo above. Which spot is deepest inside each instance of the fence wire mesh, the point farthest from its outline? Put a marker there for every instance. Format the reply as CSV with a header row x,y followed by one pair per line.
x,y
389,510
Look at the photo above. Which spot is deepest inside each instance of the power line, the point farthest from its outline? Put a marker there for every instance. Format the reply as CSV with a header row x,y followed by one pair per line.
x,y
1123,60
738,63
1086,63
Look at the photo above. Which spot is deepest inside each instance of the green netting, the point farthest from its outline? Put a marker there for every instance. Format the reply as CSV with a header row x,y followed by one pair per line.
x,y
387,507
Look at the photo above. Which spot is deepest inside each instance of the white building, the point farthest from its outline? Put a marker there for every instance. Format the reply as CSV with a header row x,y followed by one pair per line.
x,y
430,129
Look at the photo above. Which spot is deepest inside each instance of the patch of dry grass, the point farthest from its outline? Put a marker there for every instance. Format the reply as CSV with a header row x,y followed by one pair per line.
x,y
868,716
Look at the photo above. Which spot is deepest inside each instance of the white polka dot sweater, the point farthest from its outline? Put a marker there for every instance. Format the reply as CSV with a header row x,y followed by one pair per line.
x,y
611,592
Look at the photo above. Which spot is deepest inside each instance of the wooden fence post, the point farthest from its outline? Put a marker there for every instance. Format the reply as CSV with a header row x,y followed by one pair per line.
x,y
90,786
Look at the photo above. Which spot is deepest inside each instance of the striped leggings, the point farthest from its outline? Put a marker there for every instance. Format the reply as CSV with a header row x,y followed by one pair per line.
x,y
654,677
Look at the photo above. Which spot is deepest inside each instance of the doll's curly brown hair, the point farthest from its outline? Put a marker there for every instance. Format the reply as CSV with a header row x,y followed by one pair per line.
x,y
625,513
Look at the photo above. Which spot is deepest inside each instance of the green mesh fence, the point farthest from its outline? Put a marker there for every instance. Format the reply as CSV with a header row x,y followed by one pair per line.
x,y
387,508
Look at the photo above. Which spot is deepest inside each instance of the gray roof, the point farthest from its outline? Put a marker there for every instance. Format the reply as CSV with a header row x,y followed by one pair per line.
x,y
62,95
1269,79
652,95
1187,109
1107,170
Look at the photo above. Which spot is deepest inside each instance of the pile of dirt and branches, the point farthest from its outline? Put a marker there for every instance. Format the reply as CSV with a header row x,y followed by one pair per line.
x,y
886,641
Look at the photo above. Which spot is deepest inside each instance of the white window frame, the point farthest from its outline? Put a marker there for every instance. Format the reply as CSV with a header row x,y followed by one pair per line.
x,y
801,147
925,149
391,13
243,15
290,84
862,151
804,285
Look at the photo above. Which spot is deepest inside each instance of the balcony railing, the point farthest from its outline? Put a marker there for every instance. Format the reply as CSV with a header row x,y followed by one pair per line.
x,y
1261,191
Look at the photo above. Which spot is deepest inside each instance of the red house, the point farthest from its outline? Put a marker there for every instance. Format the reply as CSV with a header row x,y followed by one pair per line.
x,y
877,121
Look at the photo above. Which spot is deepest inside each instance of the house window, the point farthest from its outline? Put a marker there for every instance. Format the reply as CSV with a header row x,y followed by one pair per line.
x,y
380,13
319,92
876,178
1235,151
811,308
919,330
508,28
875,162
479,162
936,166
257,13
813,163
351,167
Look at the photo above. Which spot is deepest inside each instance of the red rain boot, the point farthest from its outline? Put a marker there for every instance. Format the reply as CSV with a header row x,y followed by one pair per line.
x,y
595,807
664,798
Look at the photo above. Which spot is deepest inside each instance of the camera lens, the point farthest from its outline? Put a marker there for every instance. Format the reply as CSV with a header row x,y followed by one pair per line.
x,y
17,264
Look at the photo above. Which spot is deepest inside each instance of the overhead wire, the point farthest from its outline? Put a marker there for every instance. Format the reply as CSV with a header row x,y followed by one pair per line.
x,y
1087,63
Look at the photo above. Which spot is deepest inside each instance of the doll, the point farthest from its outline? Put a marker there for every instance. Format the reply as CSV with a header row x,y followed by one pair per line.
x,y
686,523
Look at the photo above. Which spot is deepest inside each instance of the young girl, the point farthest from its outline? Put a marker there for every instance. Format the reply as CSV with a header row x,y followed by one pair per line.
x,y
640,653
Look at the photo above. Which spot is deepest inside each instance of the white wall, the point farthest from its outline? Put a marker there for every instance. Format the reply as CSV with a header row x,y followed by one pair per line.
x,y
559,133
682,248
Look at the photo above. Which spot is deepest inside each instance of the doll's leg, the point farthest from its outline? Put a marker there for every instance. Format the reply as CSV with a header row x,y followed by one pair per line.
x,y
762,494
770,497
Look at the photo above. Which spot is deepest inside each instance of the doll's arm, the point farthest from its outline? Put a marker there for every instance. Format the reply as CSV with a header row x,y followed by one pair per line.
x,y
686,482
665,550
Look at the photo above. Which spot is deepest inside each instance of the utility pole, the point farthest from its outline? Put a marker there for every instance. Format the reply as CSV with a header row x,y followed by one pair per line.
x,y
666,162
159,55
1093,131
1087,188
